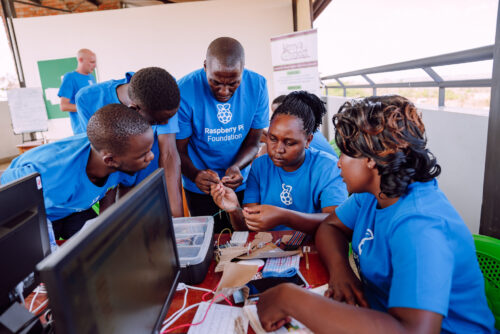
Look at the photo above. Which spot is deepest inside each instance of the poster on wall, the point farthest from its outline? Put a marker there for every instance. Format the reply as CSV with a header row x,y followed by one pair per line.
x,y
295,62
51,74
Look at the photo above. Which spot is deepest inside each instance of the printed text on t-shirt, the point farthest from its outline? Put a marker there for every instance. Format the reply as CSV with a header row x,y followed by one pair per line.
x,y
224,134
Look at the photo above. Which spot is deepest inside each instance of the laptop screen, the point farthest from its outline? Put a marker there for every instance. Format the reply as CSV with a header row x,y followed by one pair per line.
x,y
119,275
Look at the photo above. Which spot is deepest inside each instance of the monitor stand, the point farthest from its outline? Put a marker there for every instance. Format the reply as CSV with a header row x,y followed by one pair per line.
x,y
17,319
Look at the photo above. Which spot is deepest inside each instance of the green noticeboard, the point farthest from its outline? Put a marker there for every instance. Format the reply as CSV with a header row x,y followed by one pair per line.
x,y
51,74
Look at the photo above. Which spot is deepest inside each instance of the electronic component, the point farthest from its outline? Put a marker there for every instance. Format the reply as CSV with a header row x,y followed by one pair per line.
x,y
239,238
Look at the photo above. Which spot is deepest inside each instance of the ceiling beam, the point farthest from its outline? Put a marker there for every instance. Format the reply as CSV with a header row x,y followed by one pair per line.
x,y
319,6
41,6
96,3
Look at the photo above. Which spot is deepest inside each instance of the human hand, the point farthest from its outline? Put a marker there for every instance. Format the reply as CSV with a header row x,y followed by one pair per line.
x,y
205,178
262,217
269,307
224,197
346,287
233,178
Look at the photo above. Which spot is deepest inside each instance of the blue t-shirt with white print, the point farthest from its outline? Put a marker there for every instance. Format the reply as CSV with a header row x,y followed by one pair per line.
x,y
62,166
418,253
71,84
218,129
320,143
316,184
91,99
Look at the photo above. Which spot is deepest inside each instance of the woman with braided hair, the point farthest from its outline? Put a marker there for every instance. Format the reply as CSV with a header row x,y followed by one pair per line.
x,y
415,256
291,187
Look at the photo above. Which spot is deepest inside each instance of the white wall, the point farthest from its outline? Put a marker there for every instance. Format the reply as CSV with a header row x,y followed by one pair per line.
x,y
458,141
172,36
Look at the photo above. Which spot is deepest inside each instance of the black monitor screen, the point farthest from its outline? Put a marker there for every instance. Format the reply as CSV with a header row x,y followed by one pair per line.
x,y
24,239
119,275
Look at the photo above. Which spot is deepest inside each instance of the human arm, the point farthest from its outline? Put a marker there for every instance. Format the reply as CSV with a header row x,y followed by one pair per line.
x,y
14,173
332,243
123,190
170,161
262,144
247,152
84,106
203,178
108,199
226,200
250,146
256,217
267,217
323,315
65,105
67,93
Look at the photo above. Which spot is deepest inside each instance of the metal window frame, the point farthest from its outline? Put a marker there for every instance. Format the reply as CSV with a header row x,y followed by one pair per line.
x,y
424,64
490,210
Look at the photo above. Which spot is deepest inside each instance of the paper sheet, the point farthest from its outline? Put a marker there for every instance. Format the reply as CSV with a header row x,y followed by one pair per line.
x,y
221,319
251,314
236,275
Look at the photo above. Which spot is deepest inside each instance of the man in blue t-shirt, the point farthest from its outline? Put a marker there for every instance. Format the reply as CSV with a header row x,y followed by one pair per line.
x,y
76,172
154,94
223,110
72,82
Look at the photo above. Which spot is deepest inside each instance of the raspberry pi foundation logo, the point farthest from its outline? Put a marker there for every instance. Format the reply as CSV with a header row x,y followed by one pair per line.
x,y
286,195
224,114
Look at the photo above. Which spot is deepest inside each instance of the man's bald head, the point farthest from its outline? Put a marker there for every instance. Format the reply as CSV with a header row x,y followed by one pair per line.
x,y
84,53
86,61
227,51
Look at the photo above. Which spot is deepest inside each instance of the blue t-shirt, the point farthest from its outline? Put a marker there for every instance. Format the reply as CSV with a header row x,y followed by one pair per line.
x,y
217,130
418,253
316,184
91,99
72,82
320,143
66,186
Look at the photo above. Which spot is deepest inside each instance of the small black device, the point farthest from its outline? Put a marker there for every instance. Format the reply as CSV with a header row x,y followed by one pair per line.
x,y
24,241
119,274
260,285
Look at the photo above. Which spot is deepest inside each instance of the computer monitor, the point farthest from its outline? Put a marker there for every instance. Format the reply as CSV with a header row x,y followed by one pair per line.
x,y
119,274
24,239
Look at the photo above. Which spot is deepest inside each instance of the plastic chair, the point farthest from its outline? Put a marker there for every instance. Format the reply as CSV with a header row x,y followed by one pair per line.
x,y
488,256
333,144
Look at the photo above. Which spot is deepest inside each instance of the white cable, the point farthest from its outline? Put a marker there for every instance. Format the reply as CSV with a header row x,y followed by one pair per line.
x,y
173,318
197,288
178,316
185,286
34,297
40,306
179,310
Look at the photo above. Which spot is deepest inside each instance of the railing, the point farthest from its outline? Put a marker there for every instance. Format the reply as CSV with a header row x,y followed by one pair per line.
x,y
426,64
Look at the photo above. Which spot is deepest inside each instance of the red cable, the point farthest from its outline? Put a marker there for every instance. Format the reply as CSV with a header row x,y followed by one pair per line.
x,y
213,291
204,317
